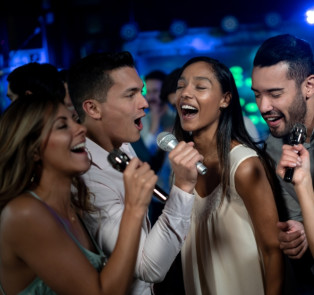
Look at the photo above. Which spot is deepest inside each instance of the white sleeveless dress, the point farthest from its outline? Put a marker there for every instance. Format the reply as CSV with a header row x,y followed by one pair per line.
x,y
220,255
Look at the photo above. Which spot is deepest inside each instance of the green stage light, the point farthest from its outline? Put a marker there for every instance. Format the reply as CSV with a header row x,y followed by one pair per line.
x,y
248,82
255,119
237,73
251,107
239,83
144,90
242,101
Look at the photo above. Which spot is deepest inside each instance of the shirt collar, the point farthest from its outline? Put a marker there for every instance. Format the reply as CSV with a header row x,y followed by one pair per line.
x,y
99,155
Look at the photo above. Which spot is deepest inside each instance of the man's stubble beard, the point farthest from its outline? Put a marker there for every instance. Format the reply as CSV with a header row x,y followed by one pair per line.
x,y
297,112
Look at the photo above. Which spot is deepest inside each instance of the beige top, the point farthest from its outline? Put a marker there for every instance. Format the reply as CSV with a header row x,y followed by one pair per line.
x,y
220,255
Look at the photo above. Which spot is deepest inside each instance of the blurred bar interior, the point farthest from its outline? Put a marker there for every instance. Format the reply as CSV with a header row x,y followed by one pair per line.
x,y
160,34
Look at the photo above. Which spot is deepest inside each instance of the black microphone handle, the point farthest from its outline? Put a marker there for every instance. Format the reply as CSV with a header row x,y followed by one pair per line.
x,y
289,174
297,136
119,160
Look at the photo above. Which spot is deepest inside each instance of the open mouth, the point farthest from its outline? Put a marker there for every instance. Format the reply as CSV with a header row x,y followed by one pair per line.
x,y
188,111
138,123
272,120
79,148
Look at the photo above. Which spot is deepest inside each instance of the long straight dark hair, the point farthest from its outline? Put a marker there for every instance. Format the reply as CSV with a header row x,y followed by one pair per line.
x,y
230,127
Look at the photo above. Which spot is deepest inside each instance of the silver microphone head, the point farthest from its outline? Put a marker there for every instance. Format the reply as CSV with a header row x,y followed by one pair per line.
x,y
297,134
163,140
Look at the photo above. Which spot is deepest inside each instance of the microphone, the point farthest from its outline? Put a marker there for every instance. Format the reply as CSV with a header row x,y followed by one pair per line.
x,y
297,135
119,160
167,142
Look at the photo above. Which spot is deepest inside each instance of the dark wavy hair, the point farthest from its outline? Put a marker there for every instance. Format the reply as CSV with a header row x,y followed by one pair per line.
x,y
231,125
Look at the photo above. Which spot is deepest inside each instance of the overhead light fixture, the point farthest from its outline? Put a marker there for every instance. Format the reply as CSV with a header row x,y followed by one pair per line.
x,y
178,28
272,19
229,23
310,16
129,31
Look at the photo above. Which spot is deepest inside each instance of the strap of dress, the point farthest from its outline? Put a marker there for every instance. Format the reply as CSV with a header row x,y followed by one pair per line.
x,y
58,218
35,195
67,227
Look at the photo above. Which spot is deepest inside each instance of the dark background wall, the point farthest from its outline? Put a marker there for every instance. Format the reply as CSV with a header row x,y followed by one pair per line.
x,y
62,31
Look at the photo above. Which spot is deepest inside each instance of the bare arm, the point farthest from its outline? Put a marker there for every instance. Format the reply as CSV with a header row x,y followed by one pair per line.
x,y
255,190
297,157
34,239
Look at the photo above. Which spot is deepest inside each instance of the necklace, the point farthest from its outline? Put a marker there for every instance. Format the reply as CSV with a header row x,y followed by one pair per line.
x,y
73,214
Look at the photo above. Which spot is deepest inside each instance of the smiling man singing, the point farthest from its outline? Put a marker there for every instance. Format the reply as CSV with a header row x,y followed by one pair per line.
x,y
283,83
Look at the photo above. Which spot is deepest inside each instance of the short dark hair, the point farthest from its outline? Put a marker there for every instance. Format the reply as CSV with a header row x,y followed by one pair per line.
x,y
297,53
170,84
155,75
39,79
90,77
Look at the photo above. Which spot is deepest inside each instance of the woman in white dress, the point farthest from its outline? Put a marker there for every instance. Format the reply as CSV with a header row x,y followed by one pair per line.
x,y
232,247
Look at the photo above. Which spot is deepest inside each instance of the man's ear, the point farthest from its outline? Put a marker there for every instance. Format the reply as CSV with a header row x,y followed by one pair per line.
x,y
309,86
92,108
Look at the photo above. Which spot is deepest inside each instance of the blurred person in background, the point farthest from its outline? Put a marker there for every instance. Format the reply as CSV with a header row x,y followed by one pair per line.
x,y
35,78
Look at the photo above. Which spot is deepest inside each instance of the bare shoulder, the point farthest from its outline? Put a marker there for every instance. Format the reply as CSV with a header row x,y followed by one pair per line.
x,y
22,207
22,215
250,178
251,169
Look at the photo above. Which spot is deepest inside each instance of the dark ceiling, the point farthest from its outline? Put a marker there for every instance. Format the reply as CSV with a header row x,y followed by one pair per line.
x,y
96,23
